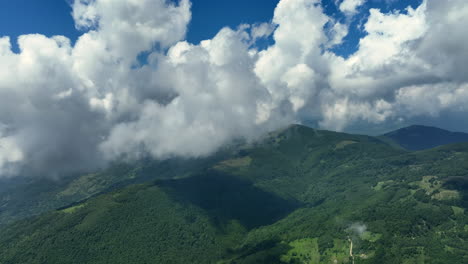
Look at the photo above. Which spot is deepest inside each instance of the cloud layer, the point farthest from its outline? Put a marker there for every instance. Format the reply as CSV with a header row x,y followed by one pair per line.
x,y
131,86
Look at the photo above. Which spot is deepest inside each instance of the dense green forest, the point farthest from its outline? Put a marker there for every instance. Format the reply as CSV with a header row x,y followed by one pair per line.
x,y
29,196
298,195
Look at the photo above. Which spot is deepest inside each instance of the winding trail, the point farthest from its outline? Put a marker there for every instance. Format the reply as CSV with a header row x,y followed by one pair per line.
x,y
351,249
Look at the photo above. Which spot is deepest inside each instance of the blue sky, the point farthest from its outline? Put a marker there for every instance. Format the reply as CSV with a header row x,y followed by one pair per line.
x,y
52,17
48,17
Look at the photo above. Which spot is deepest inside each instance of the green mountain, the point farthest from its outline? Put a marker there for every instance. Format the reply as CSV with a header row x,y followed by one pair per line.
x,y
29,196
298,196
424,137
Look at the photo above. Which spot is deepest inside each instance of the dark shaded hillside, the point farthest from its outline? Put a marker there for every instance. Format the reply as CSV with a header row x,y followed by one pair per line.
x,y
298,196
424,137
226,198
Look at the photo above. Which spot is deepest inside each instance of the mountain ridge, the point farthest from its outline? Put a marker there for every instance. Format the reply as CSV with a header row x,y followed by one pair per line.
x,y
419,137
29,197
298,196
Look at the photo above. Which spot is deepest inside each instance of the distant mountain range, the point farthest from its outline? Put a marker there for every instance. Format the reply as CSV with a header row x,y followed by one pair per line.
x,y
299,195
423,137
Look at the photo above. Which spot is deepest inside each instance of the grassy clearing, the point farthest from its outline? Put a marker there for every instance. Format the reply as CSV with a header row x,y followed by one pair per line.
x,y
86,183
445,195
234,163
430,184
344,143
371,237
307,251
73,209
339,253
433,187
458,210
382,184
303,251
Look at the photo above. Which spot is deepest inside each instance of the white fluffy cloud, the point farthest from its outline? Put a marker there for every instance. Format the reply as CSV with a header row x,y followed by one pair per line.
x,y
432,99
58,102
289,69
67,107
218,98
350,7
407,61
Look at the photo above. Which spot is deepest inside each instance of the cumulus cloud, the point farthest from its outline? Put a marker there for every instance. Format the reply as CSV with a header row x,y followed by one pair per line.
x,y
58,102
262,30
405,62
350,7
218,98
67,108
432,99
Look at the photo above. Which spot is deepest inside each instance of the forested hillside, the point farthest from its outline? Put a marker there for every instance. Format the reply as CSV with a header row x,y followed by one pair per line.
x,y
298,196
28,196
